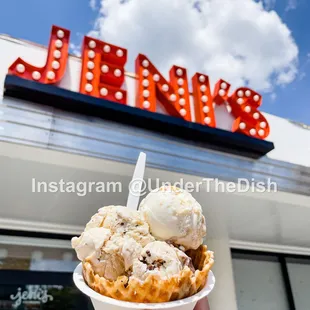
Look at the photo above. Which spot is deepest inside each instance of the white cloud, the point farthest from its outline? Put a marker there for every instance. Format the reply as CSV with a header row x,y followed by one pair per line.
x,y
92,4
235,40
291,5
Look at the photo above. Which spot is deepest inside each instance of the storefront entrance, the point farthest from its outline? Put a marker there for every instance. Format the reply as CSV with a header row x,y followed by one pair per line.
x,y
39,291
38,276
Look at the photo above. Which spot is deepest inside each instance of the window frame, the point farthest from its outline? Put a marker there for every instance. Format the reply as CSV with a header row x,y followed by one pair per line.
x,y
281,258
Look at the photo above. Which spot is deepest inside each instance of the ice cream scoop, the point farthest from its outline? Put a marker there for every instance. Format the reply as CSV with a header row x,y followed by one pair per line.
x,y
90,242
184,259
116,257
123,221
112,239
110,255
174,215
157,258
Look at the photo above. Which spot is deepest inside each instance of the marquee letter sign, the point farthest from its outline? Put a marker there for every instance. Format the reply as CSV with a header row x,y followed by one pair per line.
x,y
56,61
103,71
152,86
103,75
204,110
244,103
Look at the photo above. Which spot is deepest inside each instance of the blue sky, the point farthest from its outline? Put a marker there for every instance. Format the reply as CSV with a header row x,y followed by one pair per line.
x,y
32,20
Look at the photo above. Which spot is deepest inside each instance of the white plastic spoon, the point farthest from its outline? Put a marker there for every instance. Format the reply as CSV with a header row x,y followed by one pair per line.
x,y
137,180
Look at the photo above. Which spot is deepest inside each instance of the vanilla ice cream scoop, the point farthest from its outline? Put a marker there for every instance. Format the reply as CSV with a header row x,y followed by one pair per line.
x,y
112,239
123,221
157,258
90,242
116,257
174,215
110,255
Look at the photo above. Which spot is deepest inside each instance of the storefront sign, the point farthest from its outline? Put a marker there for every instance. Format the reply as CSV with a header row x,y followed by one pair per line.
x,y
102,76
34,293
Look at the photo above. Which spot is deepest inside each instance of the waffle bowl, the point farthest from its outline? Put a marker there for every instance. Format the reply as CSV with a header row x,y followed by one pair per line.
x,y
155,289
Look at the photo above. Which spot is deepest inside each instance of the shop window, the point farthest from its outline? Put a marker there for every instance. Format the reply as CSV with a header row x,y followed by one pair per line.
x,y
23,296
259,283
24,257
299,275
39,278
271,280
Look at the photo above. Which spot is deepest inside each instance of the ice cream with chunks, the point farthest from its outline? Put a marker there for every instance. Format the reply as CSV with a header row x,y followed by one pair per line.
x,y
157,258
154,254
175,216
123,221
112,239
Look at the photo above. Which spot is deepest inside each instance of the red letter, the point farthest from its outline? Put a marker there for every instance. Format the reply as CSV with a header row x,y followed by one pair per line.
x,y
152,86
56,62
103,71
203,100
244,103
221,90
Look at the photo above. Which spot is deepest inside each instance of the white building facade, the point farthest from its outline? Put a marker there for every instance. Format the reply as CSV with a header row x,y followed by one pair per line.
x,y
260,239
